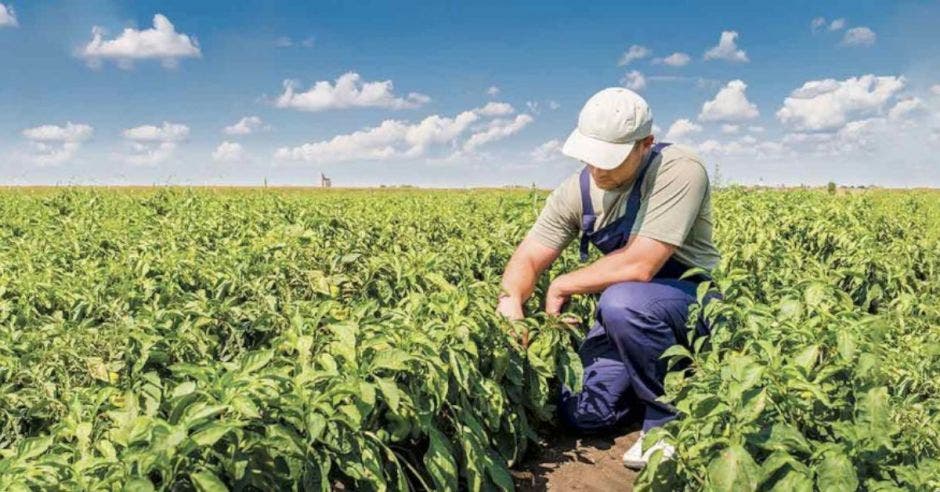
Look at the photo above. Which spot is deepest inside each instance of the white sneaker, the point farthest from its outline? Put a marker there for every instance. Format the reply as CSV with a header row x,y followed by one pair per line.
x,y
636,459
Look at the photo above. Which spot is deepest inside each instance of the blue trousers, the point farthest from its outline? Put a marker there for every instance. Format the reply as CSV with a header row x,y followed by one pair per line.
x,y
623,375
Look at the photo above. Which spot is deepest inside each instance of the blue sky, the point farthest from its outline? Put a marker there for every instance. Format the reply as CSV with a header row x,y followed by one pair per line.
x,y
459,94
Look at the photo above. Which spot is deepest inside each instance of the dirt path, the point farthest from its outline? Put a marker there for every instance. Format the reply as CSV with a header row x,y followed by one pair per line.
x,y
591,464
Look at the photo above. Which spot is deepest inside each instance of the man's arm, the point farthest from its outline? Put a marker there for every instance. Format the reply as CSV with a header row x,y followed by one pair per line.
x,y
637,261
530,259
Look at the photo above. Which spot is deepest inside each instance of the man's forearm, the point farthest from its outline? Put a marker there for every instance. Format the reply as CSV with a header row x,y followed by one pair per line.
x,y
519,278
603,273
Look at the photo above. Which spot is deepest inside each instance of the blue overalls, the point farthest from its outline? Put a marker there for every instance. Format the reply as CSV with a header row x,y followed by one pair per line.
x,y
635,323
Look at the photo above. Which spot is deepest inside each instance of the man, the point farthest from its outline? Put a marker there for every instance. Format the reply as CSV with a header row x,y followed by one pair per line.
x,y
647,208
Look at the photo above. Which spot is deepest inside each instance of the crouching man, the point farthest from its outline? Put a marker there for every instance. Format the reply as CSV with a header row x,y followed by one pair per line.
x,y
646,206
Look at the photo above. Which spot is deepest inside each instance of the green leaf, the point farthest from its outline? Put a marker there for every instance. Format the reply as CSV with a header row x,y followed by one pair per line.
x,y
138,484
781,437
835,472
733,470
33,447
211,434
393,359
256,360
206,481
390,391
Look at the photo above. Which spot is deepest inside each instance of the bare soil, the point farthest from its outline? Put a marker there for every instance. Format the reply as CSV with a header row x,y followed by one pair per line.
x,y
591,464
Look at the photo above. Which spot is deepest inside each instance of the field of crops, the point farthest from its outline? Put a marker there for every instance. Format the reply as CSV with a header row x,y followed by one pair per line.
x,y
276,340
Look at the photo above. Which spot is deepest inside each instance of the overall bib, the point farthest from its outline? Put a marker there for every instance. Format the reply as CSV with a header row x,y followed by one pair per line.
x,y
635,323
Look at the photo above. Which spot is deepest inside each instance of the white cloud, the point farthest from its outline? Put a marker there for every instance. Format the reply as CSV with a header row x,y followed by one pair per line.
x,y
54,145
493,91
905,107
496,109
634,80
229,152
828,104
168,132
746,145
151,145
727,49
283,42
730,104
497,130
935,89
53,133
7,16
859,36
817,23
676,59
837,25
755,129
397,139
548,151
349,91
245,126
635,52
160,42
308,42
682,128
726,128
553,105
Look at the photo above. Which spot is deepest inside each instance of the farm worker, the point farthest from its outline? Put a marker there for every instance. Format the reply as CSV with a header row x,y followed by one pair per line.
x,y
646,206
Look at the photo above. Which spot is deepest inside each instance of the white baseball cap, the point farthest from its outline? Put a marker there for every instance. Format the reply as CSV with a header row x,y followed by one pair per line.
x,y
609,123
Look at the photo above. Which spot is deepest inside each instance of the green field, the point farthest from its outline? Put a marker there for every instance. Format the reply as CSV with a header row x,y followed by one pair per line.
x,y
276,339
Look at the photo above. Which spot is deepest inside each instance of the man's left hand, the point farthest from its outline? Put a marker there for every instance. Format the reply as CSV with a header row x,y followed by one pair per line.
x,y
556,297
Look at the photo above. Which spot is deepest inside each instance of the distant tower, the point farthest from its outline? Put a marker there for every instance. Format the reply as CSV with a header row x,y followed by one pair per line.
x,y
324,181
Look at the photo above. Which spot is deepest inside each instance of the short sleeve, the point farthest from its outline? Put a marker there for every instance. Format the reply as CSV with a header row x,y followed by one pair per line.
x,y
559,221
674,200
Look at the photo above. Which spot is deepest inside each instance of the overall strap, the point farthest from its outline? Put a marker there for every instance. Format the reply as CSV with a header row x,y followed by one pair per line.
x,y
587,213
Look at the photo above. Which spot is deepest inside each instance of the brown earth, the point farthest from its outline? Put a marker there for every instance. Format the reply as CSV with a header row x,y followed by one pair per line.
x,y
566,462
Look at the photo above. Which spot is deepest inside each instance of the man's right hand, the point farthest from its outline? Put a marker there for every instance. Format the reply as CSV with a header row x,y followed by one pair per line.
x,y
510,307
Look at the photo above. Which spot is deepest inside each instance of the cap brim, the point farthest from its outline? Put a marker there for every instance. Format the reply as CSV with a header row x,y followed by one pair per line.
x,y
597,153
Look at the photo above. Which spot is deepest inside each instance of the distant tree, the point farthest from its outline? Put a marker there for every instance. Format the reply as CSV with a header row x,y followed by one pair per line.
x,y
831,187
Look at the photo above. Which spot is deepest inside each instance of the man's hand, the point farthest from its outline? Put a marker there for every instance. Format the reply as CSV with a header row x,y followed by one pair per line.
x,y
510,307
557,296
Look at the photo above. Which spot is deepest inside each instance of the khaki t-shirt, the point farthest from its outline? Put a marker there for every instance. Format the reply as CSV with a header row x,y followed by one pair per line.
x,y
675,208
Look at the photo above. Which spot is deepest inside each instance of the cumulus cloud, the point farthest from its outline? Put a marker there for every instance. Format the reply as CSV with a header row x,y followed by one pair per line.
x,y
492,91
229,152
727,49
496,109
245,126
837,24
497,129
548,151
828,104
349,91
755,129
398,139
160,42
682,128
859,36
745,146
817,23
635,52
726,128
730,104
150,145
676,59
7,16
905,107
935,89
634,80
54,145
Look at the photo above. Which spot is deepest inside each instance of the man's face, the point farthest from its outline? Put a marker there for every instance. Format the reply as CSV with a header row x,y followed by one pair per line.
x,y
608,179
